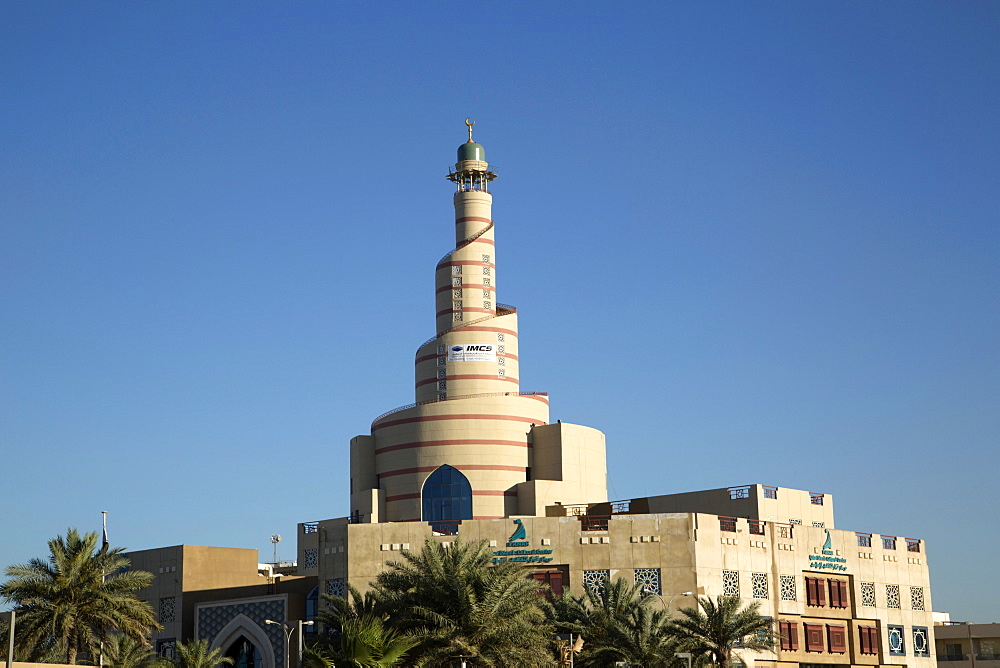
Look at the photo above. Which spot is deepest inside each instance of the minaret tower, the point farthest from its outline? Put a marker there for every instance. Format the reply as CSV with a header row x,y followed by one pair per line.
x,y
473,446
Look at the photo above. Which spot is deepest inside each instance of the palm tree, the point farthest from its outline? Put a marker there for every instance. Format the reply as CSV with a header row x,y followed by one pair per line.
x,y
124,651
76,600
618,623
352,606
196,654
720,626
459,605
362,642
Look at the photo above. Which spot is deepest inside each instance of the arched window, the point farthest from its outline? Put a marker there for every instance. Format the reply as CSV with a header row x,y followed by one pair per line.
x,y
447,496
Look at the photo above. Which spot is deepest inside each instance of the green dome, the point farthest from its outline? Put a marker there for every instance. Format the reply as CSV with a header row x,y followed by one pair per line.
x,y
470,150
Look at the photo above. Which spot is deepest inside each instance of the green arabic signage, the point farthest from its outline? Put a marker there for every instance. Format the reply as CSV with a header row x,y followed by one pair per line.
x,y
827,560
520,539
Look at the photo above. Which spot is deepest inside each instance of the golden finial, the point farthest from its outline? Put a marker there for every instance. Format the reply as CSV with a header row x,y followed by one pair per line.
x,y
470,124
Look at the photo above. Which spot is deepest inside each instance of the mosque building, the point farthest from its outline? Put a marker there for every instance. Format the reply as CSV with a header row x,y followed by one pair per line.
x,y
475,459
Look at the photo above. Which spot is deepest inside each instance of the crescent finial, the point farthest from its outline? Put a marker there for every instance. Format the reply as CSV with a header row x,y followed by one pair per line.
x,y
470,124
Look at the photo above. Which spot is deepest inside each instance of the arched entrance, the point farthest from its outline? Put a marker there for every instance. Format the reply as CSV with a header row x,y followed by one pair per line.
x,y
245,654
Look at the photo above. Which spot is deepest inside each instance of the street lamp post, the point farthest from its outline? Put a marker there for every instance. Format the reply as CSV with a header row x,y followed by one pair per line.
x,y
288,629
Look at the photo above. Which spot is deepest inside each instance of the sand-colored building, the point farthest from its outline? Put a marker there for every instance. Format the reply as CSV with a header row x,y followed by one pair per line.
x,y
475,458
968,645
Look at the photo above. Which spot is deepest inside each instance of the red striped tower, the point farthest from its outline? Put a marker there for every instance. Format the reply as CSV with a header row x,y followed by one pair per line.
x,y
469,413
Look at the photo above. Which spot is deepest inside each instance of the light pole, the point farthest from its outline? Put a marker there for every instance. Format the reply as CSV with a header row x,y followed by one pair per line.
x,y
666,606
288,629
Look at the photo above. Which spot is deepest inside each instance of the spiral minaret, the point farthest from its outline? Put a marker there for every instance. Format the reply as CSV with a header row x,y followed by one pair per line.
x,y
473,446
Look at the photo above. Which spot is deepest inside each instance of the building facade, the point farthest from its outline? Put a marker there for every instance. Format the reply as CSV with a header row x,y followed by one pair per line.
x,y
476,459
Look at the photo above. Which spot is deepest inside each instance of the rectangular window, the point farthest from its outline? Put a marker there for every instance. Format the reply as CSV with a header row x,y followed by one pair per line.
x,y
816,592
815,499
838,593
864,539
921,645
897,644
789,632
814,637
739,492
756,527
770,492
888,542
836,637
727,524
912,544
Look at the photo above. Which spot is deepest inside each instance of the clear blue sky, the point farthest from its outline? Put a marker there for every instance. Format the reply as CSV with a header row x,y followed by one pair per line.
x,y
752,242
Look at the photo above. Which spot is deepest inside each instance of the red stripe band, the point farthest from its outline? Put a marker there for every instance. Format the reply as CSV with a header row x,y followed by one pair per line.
x,y
451,441
457,416
469,219
460,467
466,376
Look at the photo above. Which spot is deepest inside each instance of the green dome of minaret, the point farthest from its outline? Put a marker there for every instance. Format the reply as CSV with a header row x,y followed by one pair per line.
x,y
470,150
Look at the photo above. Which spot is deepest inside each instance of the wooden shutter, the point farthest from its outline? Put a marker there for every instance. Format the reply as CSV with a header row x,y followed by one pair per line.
x,y
838,593
814,637
816,592
789,636
837,638
556,582
869,639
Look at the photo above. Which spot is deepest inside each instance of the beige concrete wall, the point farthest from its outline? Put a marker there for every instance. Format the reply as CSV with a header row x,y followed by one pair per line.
x,y
793,506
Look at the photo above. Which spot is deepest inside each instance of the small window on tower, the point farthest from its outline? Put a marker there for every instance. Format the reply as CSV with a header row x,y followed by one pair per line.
x,y
442,385
456,270
501,350
486,259
456,294
486,282
457,317
486,293
502,361
488,305
500,373
442,373
442,361
499,336
456,306
486,271
456,282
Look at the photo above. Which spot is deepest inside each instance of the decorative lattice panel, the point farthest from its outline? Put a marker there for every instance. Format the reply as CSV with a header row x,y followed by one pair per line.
x,y
892,596
168,609
596,579
916,598
868,594
486,259
336,587
730,583
819,525
499,336
792,520
213,618
787,583
311,557
649,578
758,582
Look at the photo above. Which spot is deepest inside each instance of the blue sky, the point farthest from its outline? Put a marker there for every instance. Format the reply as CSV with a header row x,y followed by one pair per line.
x,y
751,242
